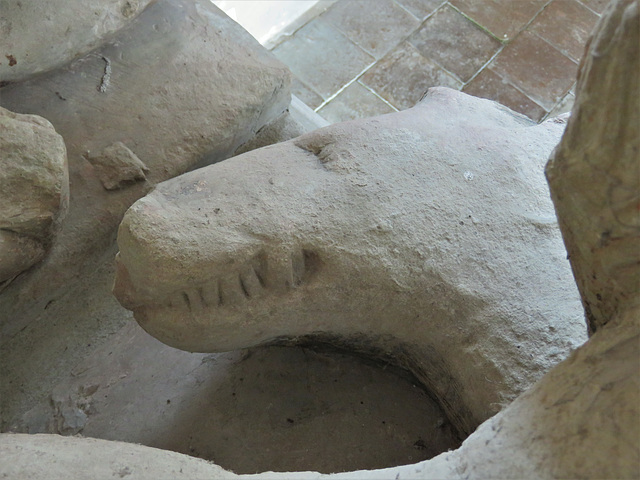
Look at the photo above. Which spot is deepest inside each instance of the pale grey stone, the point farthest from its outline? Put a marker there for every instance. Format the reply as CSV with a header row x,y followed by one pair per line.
x,y
118,166
182,85
17,253
305,116
426,234
34,190
55,457
297,120
581,420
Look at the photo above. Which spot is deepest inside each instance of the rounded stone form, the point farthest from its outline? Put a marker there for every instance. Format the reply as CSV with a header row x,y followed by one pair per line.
x,y
75,457
600,157
40,36
181,85
580,421
34,190
426,237
17,253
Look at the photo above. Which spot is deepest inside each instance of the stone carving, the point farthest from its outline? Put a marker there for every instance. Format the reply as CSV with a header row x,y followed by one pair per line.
x,y
118,166
297,120
581,420
603,139
34,190
426,234
165,86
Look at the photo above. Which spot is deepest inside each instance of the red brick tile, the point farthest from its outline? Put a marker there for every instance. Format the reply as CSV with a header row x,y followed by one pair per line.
x,y
566,24
322,57
597,6
354,102
538,69
490,85
376,30
504,18
403,76
455,43
565,105
305,93
421,8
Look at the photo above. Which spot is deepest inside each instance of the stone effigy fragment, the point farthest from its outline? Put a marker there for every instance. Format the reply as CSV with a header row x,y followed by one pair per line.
x,y
176,85
599,157
581,420
427,235
34,190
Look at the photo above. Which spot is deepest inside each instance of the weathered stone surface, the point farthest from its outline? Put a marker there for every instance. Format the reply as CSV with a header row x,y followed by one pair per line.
x,y
34,190
75,457
118,166
596,168
181,81
181,85
17,253
581,420
58,32
425,235
297,120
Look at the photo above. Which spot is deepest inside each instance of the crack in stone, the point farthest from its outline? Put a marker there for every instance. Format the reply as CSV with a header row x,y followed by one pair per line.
x,y
106,77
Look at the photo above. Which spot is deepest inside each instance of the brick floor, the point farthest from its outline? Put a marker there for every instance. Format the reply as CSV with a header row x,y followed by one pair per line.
x,y
367,57
323,58
355,101
404,75
488,84
565,25
454,42
503,18
541,71
376,31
